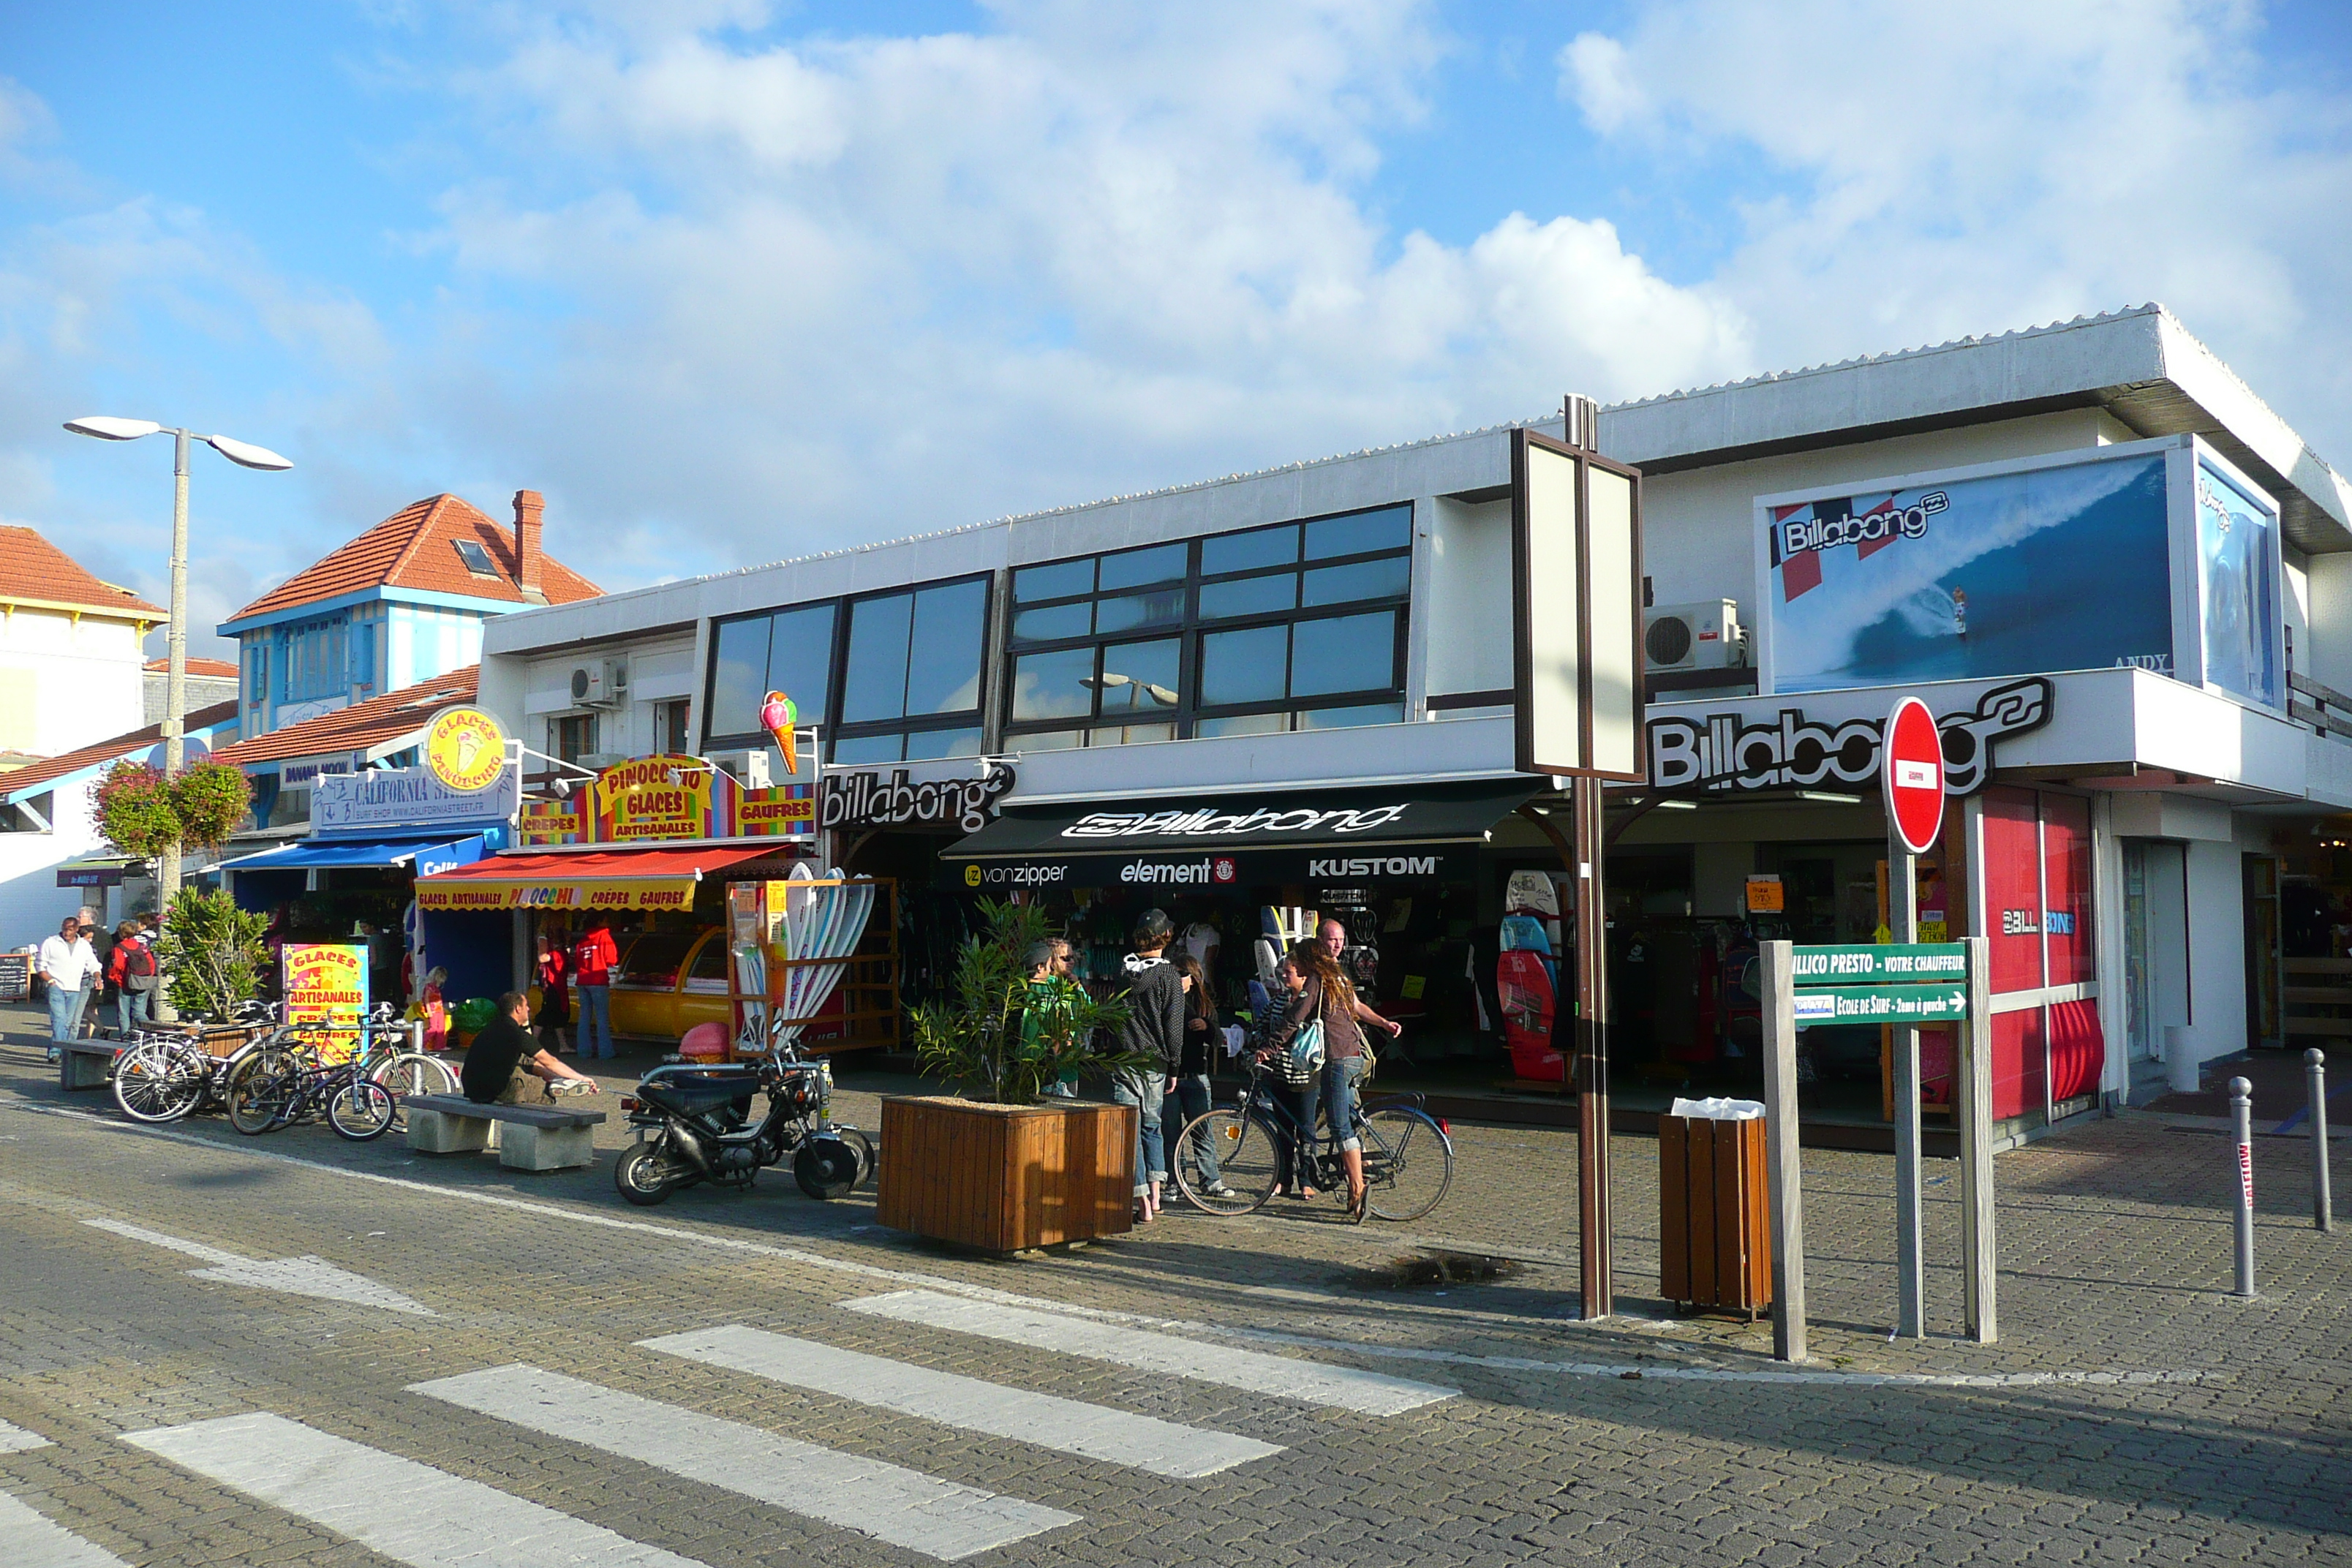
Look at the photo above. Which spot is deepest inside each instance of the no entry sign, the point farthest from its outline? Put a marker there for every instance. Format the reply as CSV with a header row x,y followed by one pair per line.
x,y
1912,775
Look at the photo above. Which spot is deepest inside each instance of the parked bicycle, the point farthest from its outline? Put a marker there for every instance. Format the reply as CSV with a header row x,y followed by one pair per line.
x,y
1408,1153
165,1075
290,1080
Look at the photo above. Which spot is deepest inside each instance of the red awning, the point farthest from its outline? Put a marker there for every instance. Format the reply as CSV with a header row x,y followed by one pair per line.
x,y
591,880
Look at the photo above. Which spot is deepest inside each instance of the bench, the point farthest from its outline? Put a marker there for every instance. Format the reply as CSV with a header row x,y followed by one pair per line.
x,y
86,1064
527,1137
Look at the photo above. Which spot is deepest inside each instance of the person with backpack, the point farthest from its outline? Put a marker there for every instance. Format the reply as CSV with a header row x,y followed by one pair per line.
x,y
1154,1028
131,969
593,958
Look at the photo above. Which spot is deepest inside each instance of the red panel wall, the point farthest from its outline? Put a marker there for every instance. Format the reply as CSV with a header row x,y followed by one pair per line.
x,y
2017,1062
2077,1049
2012,889
2066,873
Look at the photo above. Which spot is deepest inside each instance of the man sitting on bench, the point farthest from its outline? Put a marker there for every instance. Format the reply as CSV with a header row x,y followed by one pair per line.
x,y
504,1066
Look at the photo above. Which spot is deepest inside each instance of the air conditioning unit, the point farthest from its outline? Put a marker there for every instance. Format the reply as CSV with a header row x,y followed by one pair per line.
x,y
605,684
748,767
1702,636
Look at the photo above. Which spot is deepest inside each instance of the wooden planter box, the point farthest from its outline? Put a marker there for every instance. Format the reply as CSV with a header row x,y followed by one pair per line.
x,y
1716,1231
1005,1178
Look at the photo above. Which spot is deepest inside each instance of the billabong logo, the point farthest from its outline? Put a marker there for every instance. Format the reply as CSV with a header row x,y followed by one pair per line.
x,y
1207,822
1724,751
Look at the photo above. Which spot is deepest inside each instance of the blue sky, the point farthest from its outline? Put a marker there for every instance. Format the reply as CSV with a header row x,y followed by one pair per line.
x,y
731,280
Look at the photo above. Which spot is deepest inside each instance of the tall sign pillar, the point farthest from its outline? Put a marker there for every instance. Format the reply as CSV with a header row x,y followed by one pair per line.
x,y
1576,569
1911,775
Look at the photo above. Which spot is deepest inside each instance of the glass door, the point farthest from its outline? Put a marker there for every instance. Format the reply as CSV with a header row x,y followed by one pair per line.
x,y
2139,1006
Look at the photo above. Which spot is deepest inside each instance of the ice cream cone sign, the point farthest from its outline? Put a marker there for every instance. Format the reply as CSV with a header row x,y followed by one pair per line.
x,y
780,715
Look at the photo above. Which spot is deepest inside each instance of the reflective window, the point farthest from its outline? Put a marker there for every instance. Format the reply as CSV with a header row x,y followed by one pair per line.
x,y
1250,597
1124,735
874,682
1136,568
1059,580
890,747
1343,653
1360,533
799,662
1051,741
738,675
1165,608
1054,684
925,745
1250,666
1385,578
1259,547
1052,622
943,666
1349,718
1140,677
1242,724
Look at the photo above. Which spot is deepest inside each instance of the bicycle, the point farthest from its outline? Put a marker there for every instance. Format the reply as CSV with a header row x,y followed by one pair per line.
x,y
1408,1154
164,1077
286,1082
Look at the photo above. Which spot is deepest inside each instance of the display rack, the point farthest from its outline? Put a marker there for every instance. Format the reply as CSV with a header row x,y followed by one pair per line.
x,y
869,1017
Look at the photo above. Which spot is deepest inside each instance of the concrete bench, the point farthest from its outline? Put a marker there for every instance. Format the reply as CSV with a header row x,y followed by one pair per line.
x,y
527,1137
88,1064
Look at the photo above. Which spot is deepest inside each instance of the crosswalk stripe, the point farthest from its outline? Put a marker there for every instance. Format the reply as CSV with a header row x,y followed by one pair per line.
x,y
34,1541
1070,1425
15,1439
903,1507
409,1512
1315,1382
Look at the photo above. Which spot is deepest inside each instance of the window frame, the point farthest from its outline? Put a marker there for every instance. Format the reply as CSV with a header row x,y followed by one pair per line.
x,y
1190,628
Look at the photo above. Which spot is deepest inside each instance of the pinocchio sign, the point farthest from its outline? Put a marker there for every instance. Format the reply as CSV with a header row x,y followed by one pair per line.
x,y
665,798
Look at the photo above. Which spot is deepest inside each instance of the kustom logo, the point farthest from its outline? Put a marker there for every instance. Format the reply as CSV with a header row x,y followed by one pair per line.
x,y
1375,866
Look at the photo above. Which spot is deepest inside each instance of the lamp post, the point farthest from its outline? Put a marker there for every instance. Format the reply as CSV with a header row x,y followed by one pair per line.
x,y
175,688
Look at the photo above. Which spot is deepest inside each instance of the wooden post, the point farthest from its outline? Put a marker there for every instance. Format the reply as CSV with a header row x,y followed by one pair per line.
x,y
1594,1220
1781,1150
1972,1092
1910,1270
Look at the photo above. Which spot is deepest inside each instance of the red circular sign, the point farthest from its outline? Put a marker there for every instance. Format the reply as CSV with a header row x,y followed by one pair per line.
x,y
1911,767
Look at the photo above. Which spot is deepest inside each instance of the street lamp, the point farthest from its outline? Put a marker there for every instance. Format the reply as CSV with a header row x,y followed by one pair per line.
x,y
175,688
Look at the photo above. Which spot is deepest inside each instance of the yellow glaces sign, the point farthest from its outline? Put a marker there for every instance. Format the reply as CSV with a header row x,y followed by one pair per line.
x,y
654,797
465,749
326,989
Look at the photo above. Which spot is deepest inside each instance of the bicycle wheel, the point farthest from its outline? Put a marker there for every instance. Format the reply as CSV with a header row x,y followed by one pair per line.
x,y
359,1109
411,1072
1246,1161
1408,1161
159,1081
261,1090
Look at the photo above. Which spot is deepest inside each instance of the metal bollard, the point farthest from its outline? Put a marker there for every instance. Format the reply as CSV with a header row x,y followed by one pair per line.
x,y
2242,1128
2323,1206
417,1034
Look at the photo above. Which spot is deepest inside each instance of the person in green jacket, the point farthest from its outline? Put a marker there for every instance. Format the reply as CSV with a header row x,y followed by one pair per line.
x,y
1049,985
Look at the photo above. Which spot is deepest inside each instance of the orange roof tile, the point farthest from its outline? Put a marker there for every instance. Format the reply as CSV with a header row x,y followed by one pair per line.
x,y
33,568
21,782
415,547
210,669
360,726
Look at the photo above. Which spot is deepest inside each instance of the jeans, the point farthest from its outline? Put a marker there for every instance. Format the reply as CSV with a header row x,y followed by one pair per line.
x,y
1341,1076
63,1008
1192,1094
80,1005
130,1008
1295,1157
1145,1092
595,1020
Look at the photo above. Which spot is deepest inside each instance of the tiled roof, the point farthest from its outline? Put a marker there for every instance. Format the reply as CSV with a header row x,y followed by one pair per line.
x,y
22,782
33,568
415,547
210,669
360,726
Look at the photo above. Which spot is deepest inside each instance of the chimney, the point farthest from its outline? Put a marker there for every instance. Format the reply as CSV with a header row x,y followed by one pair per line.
x,y
528,506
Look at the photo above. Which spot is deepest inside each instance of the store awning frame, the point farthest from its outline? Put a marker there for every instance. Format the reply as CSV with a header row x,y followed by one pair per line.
x,y
437,851
582,880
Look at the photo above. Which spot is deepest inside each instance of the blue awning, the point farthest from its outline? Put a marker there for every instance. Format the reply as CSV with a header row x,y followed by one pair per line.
x,y
425,855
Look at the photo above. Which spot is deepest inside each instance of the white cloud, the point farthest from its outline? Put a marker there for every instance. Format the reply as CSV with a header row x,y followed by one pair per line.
x,y
1954,169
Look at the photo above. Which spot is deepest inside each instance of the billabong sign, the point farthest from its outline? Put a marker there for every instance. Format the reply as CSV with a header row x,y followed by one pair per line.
x,y
872,800
1207,822
1726,752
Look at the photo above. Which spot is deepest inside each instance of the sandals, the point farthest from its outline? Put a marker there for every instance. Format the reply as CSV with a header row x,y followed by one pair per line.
x,y
1359,1205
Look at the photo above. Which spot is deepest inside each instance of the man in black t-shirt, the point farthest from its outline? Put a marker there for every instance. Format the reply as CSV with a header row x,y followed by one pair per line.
x,y
504,1066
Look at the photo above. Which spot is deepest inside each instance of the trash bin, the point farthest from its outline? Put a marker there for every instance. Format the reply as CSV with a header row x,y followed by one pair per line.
x,y
1715,1223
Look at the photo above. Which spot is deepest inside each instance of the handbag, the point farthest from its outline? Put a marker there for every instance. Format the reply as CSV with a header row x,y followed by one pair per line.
x,y
1304,1057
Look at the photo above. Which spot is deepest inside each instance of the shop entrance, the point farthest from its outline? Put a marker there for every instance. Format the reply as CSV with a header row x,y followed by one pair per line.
x,y
2156,951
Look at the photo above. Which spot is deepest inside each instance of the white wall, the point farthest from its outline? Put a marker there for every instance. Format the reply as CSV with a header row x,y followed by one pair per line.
x,y
85,681
31,902
1468,628
2217,948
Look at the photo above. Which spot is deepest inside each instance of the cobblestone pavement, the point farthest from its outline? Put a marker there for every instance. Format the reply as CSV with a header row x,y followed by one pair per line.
x,y
2131,1411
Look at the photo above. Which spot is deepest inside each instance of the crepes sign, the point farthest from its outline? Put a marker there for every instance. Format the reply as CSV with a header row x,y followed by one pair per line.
x,y
1731,752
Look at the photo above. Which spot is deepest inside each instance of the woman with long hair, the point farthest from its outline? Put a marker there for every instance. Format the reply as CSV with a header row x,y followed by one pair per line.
x,y
1203,1035
1326,993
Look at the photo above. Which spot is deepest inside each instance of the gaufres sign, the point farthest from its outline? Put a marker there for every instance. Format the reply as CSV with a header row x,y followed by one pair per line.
x,y
1730,751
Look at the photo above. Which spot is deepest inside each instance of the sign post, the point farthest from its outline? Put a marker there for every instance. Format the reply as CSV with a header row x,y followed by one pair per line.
x,y
1912,779
1576,579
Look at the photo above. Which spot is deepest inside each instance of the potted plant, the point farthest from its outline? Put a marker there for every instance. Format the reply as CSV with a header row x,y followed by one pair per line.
x,y
1003,1164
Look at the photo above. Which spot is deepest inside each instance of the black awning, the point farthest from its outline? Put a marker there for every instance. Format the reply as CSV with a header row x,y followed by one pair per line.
x,y
1232,822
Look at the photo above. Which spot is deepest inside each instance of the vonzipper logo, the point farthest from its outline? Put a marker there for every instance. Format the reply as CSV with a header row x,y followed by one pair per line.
x,y
1388,866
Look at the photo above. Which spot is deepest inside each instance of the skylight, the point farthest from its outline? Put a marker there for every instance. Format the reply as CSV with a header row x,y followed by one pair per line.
x,y
477,559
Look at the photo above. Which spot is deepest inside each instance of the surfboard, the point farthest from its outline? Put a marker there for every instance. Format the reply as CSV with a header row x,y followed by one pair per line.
x,y
1532,893
1523,978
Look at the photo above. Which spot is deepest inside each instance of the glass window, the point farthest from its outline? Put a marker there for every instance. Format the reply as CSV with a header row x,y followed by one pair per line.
x,y
943,667
1343,653
1137,611
861,749
1349,718
1384,579
931,744
1242,724
1390,529
874,684
739,676
1135,568
574,736
1250,597
710,960
799,662
1048,741
1244,666
477,559
1140,677
1123,734
1059,580
1053,685
653,959
1245,551
1053,623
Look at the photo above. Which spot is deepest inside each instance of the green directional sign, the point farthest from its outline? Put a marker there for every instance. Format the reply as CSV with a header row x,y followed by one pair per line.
x,y
1880,1004
1888,965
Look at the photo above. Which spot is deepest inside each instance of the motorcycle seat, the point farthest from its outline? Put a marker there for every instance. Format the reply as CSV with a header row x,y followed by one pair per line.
x,y
699,1091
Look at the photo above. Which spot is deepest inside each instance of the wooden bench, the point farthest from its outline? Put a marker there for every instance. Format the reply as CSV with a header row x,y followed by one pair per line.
x,y
86,1064
528,1137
